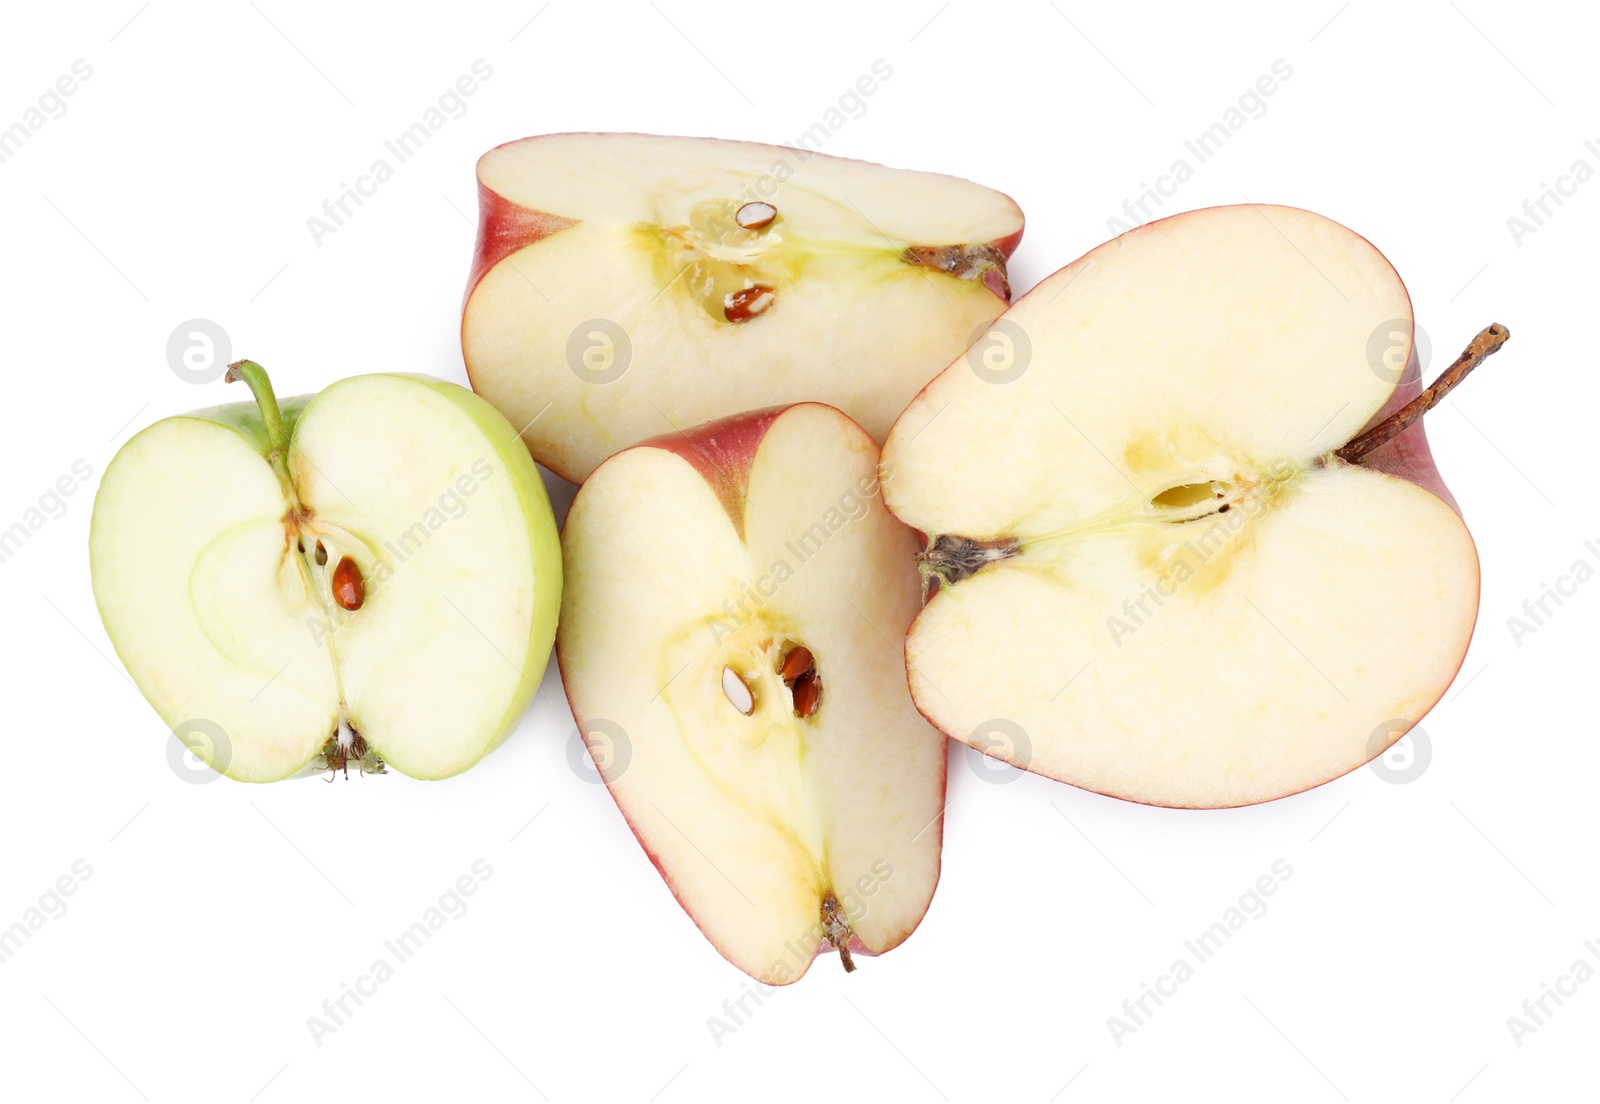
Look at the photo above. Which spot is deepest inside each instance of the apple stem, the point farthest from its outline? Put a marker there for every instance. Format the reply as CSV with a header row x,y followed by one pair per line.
x,y
255,377
1482,347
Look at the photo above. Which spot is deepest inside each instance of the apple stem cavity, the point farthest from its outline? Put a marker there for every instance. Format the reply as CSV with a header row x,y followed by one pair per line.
x,y
836,928
1481,348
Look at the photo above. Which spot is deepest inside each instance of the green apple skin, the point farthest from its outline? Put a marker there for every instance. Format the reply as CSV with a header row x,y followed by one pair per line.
x,y
246,420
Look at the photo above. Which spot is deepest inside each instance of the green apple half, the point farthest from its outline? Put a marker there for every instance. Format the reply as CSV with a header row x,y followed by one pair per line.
x,y
1158,552
369,574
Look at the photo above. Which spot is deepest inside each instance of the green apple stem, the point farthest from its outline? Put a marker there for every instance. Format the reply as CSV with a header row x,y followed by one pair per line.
x,y
255,377
1482,347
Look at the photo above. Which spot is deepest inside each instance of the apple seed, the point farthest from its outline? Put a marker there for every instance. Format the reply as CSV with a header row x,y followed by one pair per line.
x,y
807,694
756,215
322,553
745,304
348,588
796,663
738,691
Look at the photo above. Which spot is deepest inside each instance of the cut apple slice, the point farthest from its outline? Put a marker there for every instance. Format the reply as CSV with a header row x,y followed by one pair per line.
x,y
370,575
1145,549
735,601
629,285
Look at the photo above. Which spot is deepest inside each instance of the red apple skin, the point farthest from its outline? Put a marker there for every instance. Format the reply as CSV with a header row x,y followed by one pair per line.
x,y
723,452
1406,457
504,228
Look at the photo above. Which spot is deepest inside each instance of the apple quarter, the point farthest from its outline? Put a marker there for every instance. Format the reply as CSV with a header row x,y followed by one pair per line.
x,y
735,600
630,285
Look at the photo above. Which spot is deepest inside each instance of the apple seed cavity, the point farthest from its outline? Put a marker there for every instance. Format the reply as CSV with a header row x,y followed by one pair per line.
x,y
349,590
746,303
756,215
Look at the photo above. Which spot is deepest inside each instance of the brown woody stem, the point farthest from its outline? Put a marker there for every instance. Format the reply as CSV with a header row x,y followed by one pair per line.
x,y
1482,347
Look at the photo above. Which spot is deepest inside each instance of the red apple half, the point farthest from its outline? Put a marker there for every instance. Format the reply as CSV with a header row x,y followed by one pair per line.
x,y
1149,557
630,285
730,642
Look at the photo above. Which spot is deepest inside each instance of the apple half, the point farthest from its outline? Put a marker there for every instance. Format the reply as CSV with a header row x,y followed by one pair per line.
x,y
1152,544
730,642
369,575
631,285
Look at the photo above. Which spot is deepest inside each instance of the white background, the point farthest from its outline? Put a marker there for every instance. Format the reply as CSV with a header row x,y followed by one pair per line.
x,y
218,917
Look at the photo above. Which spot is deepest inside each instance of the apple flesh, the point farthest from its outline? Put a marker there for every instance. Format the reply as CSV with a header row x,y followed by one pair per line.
x,y
363,576
735,601
630,285
1144,547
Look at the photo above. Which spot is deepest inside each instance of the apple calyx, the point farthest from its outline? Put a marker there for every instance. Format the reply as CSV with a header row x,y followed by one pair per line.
x,y
345,746
983,263
836,929
952,558
1481,348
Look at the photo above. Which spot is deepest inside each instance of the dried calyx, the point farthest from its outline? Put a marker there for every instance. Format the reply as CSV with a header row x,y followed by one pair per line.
x,y
983,263
347,746
952,558
836,928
